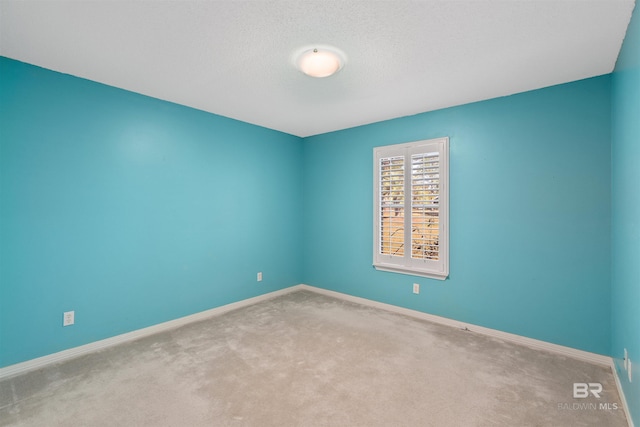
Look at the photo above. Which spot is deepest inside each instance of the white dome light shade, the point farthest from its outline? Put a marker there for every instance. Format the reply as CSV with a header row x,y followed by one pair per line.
x,y
320,62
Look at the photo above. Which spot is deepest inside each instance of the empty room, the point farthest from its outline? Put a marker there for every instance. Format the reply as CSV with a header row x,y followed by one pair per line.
x,y
320,213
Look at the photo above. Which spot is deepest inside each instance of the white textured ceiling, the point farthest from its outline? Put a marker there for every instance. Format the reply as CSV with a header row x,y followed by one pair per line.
x,y
233,58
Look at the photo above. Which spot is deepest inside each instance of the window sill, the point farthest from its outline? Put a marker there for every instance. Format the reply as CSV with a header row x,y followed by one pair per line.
x,y
412,271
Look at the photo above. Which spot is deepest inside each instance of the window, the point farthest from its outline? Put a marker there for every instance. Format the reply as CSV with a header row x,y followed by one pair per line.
x,y
411,208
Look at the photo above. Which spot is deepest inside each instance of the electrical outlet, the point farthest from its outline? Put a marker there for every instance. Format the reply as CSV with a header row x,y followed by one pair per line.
x,y
68,318
416,288
626,360
260,276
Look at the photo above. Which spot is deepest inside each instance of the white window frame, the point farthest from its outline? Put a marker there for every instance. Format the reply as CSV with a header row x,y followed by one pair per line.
x,y
435,269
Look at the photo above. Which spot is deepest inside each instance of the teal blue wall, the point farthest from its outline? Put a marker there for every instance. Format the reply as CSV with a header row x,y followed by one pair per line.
x,y
625,237
132,211
530,214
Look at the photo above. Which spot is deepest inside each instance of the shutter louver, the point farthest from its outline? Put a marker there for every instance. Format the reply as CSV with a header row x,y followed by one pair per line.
x,y
392,201
425,198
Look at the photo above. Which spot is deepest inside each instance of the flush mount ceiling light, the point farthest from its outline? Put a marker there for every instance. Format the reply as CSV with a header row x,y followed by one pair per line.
x,y
319,61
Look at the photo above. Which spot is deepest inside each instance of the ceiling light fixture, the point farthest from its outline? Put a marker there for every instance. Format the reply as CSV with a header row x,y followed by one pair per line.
x,y
319,61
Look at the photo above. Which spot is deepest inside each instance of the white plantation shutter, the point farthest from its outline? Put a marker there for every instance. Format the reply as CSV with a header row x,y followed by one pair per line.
x,y
411,208
425,195
392,206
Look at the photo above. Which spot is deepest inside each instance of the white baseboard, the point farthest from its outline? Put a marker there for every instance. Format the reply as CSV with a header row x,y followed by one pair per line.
x,y
172,324
625,406
529,342
40,362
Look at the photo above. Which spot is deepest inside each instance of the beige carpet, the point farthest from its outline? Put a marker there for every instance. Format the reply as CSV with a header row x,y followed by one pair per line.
x,y
304,359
